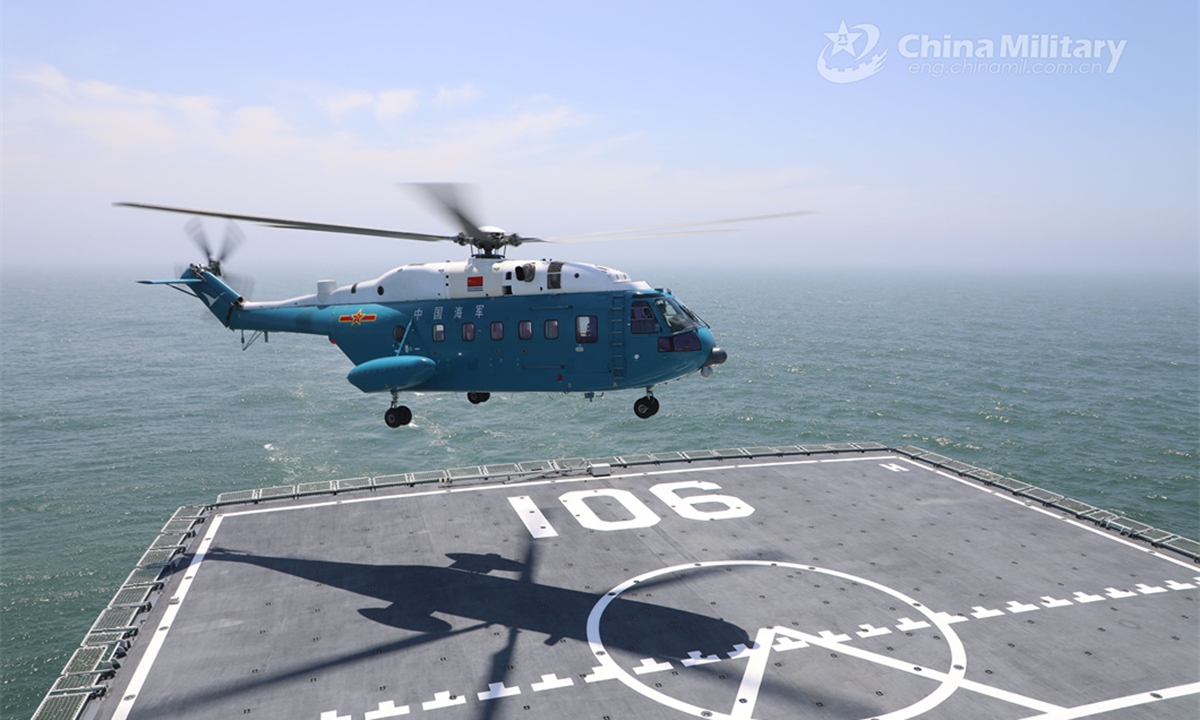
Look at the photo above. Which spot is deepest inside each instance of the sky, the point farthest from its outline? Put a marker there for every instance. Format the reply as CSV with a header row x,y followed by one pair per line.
x,y
574,118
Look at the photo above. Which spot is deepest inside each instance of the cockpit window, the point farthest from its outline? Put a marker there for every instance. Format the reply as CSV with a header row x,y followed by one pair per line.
x,y
678,319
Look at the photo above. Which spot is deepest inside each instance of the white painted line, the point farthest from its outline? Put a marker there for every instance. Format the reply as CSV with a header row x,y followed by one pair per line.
x,y
495,691
601,672
530,514
190,571
1064,518
650,666
551,682
1106,706
1082,597
387,709
932,674
907,625
444,700
1052,603
783,643
752,677
695,657
871,631
981,612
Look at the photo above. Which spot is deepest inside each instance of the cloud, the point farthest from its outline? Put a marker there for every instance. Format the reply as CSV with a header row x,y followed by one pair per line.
x,y
392,104
347,102
386,105
457,96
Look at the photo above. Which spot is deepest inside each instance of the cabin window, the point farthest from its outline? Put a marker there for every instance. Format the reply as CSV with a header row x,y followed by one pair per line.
x,y
497,330
439,332
525,329
550,329
587,329
468,331
641,318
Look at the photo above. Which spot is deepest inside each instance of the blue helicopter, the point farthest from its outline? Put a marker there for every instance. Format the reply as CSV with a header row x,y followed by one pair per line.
x,y
482,325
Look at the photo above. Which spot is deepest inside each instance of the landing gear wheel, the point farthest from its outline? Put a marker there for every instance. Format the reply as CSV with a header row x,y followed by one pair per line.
x,y
397,416
478,397
646,407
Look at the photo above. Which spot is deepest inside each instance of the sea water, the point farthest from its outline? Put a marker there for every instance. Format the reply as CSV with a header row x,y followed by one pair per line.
x,y
120,403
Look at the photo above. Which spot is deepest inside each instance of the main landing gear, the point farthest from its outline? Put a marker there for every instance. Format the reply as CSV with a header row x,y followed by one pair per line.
x,y
397,414
478,397
646,407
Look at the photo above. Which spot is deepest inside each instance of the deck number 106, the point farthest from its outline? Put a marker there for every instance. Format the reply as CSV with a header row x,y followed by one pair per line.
x,y
581,504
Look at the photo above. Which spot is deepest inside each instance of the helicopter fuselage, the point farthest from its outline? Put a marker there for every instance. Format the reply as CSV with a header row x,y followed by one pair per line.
x,y
490,324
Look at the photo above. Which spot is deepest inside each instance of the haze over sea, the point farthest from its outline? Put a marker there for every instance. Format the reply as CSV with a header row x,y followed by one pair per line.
x,y
119,403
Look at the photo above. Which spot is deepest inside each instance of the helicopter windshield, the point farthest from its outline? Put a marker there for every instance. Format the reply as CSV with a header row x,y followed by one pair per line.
x,y
677,317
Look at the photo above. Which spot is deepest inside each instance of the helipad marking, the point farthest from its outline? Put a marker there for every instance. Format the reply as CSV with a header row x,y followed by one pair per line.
x,y
907,625
1052,603
444,699
387,709
551,682
745,700
601,672
695,657
156,641
752,678
1105,706
495,691
1064,518
530,514
650,666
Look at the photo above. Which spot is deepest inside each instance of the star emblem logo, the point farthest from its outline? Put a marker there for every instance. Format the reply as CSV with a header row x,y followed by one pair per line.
x,y
843,40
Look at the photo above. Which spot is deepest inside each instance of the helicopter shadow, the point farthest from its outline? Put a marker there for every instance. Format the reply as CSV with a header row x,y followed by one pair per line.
x,y
467,589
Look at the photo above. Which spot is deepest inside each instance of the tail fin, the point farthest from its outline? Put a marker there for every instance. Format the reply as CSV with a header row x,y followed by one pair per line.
x,y
219,297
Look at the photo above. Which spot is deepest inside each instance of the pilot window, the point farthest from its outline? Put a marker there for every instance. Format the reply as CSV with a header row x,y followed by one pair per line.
x,y
587,330
525,329
677,319
550,329
641,318
468,331
439,332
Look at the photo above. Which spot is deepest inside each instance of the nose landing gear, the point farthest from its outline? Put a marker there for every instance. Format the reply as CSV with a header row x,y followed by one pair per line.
x,y
646,407
397,414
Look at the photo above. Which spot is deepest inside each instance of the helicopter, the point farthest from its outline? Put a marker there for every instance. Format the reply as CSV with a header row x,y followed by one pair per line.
x,y
476,326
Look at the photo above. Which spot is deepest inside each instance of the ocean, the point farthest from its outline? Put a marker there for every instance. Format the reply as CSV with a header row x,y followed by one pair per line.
x,y
119,403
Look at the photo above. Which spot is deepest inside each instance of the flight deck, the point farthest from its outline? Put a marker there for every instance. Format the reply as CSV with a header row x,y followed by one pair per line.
x,y
849,581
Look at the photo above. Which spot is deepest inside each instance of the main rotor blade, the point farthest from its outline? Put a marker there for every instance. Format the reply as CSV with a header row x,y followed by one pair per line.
x,y
297,224
445,197
674,228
